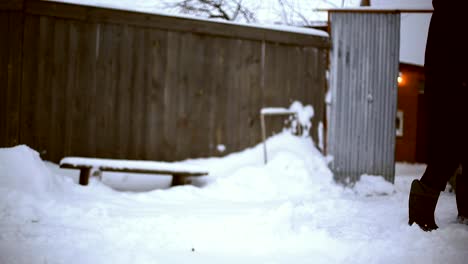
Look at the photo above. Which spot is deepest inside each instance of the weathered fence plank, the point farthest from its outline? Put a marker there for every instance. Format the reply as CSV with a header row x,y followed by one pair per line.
x,y
58,82
29,82
10,76
4,122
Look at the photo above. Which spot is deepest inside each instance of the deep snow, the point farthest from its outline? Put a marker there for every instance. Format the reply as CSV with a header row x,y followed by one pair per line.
x,y
287,211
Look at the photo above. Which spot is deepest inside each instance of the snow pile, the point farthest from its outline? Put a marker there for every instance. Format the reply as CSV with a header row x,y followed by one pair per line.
x,y
370,185
22,170
296,168
284,177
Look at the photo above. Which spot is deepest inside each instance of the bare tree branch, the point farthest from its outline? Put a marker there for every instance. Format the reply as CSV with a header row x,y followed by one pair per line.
x,y
289,12
223,9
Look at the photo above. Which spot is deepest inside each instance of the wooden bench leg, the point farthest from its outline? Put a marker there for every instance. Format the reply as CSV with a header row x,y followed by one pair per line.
x,y
84,176
178,179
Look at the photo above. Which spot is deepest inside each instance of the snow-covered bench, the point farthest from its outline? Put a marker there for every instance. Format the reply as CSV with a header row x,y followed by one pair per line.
x,y
178,171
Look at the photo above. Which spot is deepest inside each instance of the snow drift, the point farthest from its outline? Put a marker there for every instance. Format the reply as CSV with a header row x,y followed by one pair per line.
x,y
22,170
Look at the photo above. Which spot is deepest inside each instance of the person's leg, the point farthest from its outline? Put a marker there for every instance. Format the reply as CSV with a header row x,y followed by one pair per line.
x,y
447,145
462,194
443,128
461,184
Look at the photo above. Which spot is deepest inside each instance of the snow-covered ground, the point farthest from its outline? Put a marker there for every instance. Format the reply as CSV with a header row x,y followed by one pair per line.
x,y
287,211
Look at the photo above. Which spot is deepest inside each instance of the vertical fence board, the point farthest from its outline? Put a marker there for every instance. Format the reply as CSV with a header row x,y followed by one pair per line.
x,y
137,88
183,131
71,55
241,127
90,84
231,86
76,96
170,96
14,77
104,100
217,101
4,51
122,121
43,105
145,94
155,98
28,128
83,96
10,76
250,86
58,84
222,96
197,86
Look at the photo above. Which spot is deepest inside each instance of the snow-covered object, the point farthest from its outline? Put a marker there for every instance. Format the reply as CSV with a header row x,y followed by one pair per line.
x,y
221,148
305,113
276,111
321,140
133,164
300,116
22,169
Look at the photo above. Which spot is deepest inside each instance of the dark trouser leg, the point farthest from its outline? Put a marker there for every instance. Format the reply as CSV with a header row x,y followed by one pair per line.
x,y
445,71
462,191
445,129
462,187
446,68
462,180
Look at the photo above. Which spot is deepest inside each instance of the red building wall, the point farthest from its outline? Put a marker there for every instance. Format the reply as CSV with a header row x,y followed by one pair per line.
x,y
410,146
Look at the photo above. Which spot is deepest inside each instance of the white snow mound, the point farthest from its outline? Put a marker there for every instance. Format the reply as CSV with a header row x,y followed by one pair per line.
x,y
22,169
370,185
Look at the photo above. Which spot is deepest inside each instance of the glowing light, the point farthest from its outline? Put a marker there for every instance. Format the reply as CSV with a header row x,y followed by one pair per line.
x,y
400,78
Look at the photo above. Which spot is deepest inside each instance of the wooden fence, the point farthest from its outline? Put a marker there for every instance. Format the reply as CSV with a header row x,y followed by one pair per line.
x,y
79,80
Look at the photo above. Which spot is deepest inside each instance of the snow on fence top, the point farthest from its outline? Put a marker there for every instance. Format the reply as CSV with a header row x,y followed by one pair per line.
x,y
132,165
276,111
145,6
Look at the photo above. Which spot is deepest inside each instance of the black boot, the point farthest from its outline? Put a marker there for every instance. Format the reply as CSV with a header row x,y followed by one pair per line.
x,y
422,204
461,194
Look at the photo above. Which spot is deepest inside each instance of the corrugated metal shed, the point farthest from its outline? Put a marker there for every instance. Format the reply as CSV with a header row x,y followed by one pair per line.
x,y
363,81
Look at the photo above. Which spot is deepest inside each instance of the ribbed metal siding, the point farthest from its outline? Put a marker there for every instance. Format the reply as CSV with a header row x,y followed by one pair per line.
x,y
363,82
